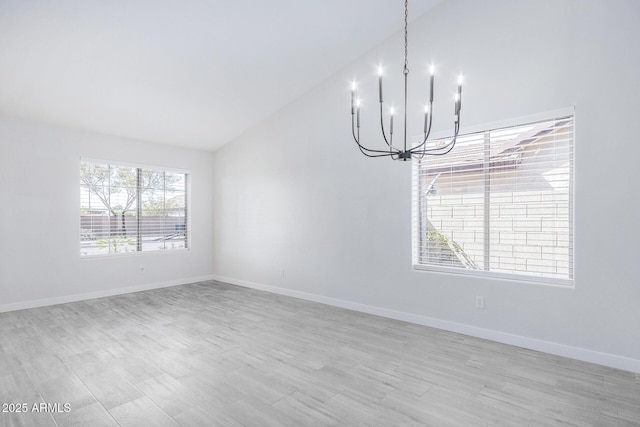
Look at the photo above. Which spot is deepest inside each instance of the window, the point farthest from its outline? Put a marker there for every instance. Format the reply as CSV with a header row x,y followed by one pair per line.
x,y
126,209
500,204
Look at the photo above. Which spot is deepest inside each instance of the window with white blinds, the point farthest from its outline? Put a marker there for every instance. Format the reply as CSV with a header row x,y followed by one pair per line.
x,y
129,209
499,204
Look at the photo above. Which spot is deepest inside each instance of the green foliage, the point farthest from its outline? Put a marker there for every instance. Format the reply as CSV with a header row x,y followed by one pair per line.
x,y
87,234
115,244
451,249
119,187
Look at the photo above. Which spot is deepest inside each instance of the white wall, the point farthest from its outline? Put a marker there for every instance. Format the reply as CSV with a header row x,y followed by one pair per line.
x,y
40,224
295,194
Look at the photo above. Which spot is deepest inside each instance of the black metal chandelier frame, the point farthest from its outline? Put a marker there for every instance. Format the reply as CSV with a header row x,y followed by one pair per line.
x,y
405,153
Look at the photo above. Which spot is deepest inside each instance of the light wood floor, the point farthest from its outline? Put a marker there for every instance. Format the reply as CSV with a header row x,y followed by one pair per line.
x,y
214,354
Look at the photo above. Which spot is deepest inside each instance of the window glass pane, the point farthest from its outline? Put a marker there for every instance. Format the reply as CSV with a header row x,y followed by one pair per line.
x,y
530,177
454,201
500,202
128,209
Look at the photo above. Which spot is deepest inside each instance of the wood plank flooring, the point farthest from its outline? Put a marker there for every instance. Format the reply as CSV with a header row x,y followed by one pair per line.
x,y
210,354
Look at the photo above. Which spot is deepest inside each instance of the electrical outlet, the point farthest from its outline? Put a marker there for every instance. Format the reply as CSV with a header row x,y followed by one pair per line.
x,y
480,302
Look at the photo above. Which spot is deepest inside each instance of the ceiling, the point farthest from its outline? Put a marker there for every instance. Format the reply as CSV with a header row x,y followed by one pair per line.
x,y
191,73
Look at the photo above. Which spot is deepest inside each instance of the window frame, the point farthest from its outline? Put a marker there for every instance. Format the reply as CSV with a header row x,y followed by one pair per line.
x,y
567,283
156,168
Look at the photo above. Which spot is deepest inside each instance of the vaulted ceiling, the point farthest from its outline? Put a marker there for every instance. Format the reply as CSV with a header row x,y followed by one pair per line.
x,y
193,73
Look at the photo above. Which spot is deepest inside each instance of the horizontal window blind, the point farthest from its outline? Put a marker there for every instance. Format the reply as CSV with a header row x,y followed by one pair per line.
x,y
126,209
500,203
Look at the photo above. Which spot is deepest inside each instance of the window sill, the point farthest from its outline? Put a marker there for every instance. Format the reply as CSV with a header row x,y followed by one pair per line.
x,y
525,279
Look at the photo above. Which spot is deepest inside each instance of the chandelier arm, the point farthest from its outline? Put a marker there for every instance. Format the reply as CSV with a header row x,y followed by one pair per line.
x,y
447,147
455,134
384,153
426,136
379,153
366,151
422,152
438,151
452,142
384,135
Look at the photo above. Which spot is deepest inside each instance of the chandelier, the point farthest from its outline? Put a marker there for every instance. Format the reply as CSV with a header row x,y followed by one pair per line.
x,y
403,152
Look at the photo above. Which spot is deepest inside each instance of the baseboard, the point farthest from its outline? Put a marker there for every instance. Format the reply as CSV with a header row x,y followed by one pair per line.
x,y
99,294
585,355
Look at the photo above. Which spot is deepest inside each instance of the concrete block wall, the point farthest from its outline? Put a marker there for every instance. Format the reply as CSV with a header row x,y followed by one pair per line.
x,y
527,231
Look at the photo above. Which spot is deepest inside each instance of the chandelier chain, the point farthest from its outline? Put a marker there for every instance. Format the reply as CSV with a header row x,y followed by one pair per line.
x,y
406,43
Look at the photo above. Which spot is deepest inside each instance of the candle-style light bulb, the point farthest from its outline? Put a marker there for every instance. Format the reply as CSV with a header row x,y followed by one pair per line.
x,y
426,117
392,111
380,83
459,96
358,112
353,94
433,71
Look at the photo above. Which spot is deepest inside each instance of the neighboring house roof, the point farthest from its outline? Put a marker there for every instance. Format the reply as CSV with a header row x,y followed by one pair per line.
x,y
505,151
